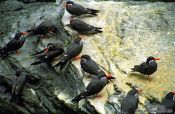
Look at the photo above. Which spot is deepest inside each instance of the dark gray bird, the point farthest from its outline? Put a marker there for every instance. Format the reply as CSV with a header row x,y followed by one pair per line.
x,y
73,51
167,105
13,45
17,85
148,67
130,102
49,53
43,29
77,10
90,66
83,27
94,87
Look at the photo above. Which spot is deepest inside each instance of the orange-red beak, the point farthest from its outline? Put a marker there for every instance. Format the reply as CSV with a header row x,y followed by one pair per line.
x,y
109,76
46,50
157,59
173,92
25,33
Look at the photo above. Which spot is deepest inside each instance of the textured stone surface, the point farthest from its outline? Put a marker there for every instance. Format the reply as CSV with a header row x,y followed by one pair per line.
x,y
132,32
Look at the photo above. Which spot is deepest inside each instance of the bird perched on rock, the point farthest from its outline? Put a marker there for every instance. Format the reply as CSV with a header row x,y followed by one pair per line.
x,y
77,10
17,85
167,105
94,87
43,28
48,54
73,51
148,67
13,45
90,66
130,102
83,28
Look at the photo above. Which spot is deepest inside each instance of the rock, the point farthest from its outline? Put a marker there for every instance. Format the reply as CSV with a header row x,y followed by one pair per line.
x,y
132,31
11,6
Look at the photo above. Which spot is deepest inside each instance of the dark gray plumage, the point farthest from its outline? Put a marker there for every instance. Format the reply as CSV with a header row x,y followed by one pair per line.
x,y
73,50
17,85
130,102
148,67
77,10
94,87
83,27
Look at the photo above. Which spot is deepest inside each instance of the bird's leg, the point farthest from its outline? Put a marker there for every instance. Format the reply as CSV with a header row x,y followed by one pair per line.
x,y
98,96
149,78
44,36
18,52
72,16
81,36
77,57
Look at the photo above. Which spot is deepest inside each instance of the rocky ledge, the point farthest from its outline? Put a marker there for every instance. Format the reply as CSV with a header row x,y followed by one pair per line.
x,y
132,31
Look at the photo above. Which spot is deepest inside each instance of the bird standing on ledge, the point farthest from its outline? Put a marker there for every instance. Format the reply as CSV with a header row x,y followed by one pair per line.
x,y
94,87
148,67
43,28
49,53
73,51
130,102
13,45
167,105
77,10
82,27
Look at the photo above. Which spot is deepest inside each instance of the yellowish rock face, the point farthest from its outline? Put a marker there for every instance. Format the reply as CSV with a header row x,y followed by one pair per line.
x,y
131,33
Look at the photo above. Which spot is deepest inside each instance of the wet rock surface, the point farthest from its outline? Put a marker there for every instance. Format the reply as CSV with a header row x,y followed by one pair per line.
x,y
131,32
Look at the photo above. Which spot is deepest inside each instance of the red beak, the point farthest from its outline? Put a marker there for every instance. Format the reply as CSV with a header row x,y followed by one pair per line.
x,y
109,76
157,59
24,33
173,92
46,50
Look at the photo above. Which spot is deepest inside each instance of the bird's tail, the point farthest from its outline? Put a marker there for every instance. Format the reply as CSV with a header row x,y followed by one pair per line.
x,y
61,64
37,62
136,68
14,98
3,52
79,97
97,29
93,11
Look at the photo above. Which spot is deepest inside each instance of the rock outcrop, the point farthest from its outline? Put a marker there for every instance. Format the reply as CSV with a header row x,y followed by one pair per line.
x,y
132,31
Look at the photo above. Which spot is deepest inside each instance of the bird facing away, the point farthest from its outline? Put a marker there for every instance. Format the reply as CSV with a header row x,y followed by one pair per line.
x,y
83,28
130,102
73,50
77,10
17,85
43,28
148,67
13,45
167,105
49,53
94,87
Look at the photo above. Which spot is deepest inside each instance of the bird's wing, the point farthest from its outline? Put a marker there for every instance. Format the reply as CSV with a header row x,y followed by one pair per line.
x,y
130,103
78,9
143,68
83,26
94,86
